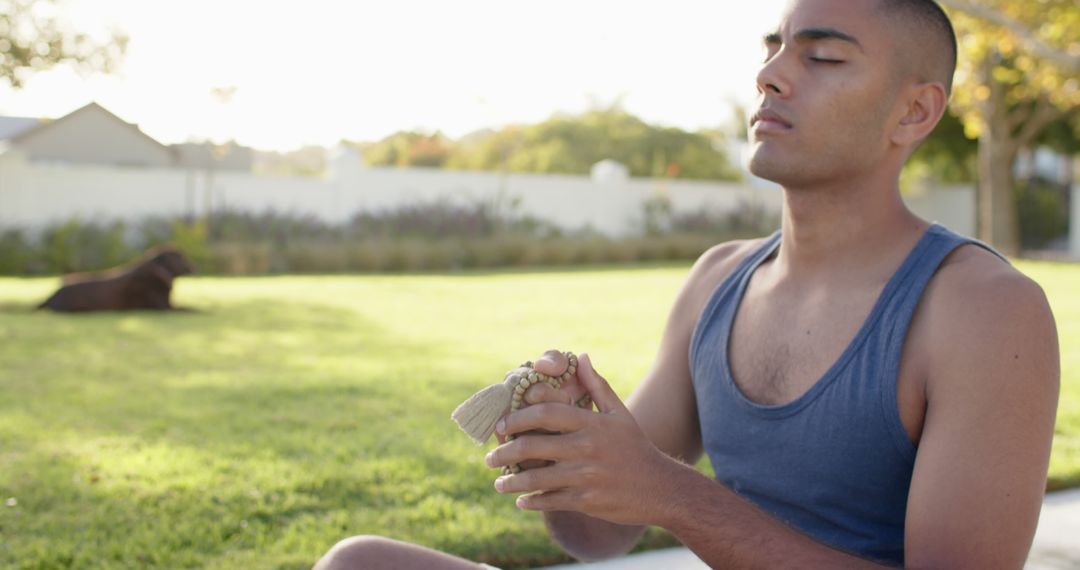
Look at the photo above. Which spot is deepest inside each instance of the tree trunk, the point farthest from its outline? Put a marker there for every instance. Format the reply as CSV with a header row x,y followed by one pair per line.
x,y
998,224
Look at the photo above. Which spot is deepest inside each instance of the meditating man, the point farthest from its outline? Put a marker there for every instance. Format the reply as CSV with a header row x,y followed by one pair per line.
x,y
871,389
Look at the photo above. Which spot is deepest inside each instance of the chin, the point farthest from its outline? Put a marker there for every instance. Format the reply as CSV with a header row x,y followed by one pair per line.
x,y
769,168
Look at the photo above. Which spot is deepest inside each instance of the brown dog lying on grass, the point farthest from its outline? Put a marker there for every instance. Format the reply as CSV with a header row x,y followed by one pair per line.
x,y
143,285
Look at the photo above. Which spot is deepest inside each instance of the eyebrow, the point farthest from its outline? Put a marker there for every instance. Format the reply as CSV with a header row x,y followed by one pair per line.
x,y
815,34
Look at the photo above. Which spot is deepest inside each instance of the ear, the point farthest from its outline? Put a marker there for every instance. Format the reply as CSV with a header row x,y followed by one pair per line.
x,y
925,104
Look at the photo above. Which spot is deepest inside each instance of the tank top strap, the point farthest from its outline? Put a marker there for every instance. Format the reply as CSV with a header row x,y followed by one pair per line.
x,y
908,287
917,271
730,286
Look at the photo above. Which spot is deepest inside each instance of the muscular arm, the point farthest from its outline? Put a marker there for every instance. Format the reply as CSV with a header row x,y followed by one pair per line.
x,y
991,393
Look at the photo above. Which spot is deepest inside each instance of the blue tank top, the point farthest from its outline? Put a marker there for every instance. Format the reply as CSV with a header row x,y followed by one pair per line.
x,y
836,462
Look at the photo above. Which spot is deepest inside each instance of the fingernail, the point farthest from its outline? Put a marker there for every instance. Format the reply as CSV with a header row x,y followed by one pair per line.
x,y
500,483
500,427
489,459
520,502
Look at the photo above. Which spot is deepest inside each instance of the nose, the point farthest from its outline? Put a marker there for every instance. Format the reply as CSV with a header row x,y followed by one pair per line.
x,y
772,79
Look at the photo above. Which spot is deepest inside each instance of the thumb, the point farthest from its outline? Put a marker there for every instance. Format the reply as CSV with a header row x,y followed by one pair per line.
x,y
599,390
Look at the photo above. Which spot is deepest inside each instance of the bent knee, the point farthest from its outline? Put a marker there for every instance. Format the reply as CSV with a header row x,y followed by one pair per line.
x,y
359,553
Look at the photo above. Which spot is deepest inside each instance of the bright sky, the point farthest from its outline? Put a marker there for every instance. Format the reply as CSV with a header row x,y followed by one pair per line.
x,y
317,71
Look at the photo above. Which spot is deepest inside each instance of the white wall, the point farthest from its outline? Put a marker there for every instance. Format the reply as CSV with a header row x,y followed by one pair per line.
x,y
950,206
32,195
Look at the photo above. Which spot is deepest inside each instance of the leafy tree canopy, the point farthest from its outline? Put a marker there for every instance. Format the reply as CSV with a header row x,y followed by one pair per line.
x,y
565,144
33,38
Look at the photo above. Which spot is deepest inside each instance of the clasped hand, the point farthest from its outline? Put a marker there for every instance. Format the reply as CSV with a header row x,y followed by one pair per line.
x,y
600,464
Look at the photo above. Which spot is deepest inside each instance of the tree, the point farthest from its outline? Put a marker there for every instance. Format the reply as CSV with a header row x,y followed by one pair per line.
x,y
946,156
33,38
1019,74
572,144
408,148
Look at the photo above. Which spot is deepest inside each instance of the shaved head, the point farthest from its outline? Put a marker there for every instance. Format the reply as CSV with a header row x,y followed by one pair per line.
x,y
925,40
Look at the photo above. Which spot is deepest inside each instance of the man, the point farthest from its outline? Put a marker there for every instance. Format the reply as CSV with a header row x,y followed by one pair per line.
x,y
871,389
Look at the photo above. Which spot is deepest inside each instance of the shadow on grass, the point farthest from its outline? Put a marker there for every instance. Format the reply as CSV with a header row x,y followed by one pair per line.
x,y
86,520
18,308
175,442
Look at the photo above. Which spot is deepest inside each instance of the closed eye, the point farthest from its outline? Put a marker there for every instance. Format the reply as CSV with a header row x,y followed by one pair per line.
x,y
825,60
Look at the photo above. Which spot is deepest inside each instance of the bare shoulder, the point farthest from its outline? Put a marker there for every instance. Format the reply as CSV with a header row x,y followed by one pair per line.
x,y
711,268
980,309
663,403
729,252
974,288
716,264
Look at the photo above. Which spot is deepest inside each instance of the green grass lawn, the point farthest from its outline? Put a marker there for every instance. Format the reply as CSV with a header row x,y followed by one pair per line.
x,y
292,412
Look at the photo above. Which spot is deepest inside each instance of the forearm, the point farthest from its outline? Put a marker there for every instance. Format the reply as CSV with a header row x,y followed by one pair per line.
x,y
727,531
590,539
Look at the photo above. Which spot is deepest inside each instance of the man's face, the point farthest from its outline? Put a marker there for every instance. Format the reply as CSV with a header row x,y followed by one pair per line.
x,y
824,94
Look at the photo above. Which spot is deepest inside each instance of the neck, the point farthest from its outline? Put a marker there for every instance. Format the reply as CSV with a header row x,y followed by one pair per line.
x,y
839,225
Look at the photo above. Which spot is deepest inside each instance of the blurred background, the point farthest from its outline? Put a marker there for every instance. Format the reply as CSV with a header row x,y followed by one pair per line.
x,y
389,204
255,134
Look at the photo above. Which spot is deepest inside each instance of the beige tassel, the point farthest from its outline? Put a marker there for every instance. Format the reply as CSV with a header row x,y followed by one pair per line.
x,y
477,415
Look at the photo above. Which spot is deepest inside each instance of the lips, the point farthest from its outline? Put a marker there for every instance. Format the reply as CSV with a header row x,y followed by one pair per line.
x,y
767,119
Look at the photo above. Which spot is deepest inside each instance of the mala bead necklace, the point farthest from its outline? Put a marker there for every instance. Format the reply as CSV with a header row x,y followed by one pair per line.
x,y
477,415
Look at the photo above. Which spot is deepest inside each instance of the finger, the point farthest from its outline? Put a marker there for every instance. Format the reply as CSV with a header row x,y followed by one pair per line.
x,y
606,399
541,393
573,388
546,447
549,478
549,417
552,363
561,500
533,464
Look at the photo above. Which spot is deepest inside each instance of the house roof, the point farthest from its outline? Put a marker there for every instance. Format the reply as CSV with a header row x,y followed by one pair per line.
x,y
88,106
11,127
13,130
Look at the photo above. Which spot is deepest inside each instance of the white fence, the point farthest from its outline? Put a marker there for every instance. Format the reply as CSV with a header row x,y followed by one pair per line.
x,y
32,195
